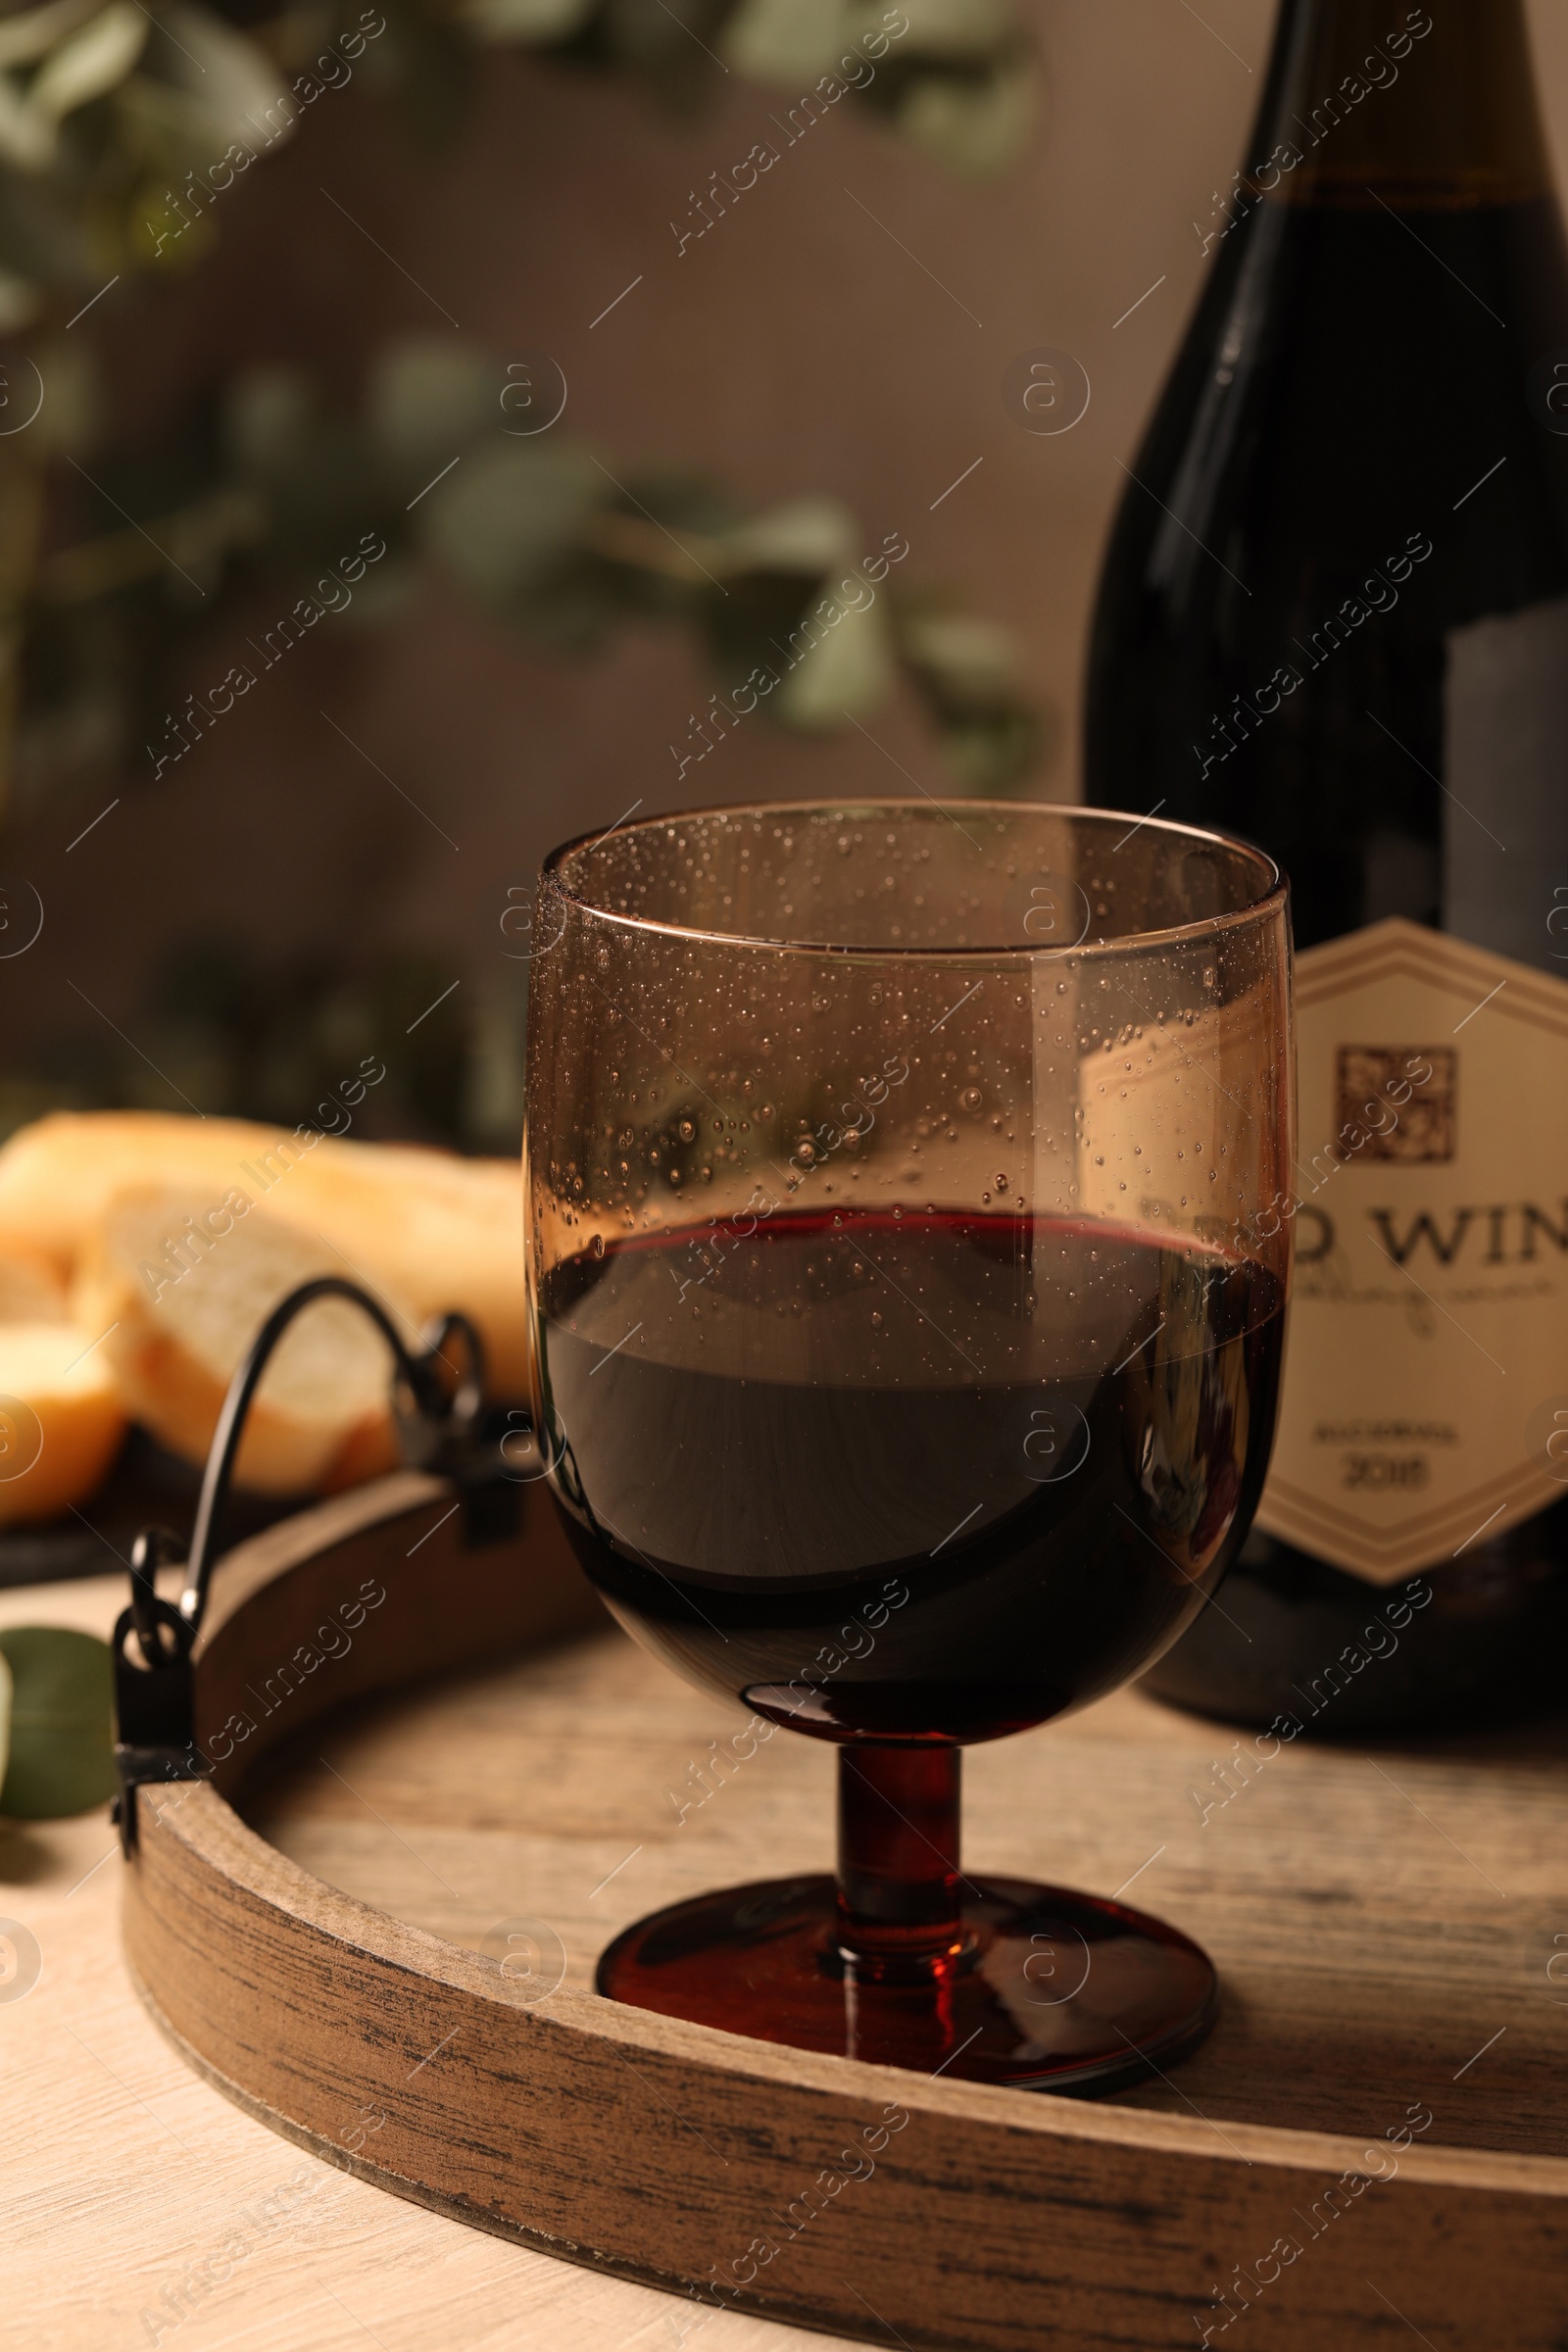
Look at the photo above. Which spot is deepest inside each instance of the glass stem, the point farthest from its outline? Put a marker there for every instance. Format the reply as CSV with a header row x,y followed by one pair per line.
x,y
899,1881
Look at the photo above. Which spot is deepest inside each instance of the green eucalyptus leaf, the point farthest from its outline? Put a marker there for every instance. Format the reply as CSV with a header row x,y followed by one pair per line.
x,y
847,671
527,19
508,519
684,503
969,672
32,33
427,397
977,124
963,656
993,754
228,81
20,302
61,1704
955,28
811,535
785,41
91,62
790,43
317,474
27,138
270,413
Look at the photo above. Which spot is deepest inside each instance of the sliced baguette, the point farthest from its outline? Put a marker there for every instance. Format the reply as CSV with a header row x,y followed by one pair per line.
x,y
432,1229
180,1293
61,1419
32,1287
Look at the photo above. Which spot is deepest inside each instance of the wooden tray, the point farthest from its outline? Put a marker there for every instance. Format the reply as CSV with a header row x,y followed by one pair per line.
x,y
1387,1927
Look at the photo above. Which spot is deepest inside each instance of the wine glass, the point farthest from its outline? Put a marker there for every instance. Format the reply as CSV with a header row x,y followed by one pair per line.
x,y
908,1259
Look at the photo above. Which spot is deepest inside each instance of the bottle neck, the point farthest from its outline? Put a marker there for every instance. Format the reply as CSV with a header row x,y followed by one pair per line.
x,y
1367,100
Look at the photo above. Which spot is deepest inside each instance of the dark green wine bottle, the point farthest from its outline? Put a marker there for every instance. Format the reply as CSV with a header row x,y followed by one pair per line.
x,y
1334,619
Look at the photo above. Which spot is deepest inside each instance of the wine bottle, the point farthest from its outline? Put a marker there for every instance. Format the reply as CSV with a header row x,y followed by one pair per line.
x,y
1334,619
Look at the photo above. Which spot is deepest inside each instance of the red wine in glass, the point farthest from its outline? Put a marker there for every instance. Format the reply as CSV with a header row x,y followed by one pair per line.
x,y
907,1474
1032,1537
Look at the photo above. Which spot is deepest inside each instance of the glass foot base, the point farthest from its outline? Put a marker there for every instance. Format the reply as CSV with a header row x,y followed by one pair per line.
x,y
1052,1991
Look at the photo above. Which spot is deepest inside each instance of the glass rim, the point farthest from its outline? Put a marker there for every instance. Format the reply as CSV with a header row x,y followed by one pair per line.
x,y
1268,903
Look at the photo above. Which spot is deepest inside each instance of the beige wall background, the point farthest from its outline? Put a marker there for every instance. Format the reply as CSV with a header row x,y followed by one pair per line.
x,y
799,346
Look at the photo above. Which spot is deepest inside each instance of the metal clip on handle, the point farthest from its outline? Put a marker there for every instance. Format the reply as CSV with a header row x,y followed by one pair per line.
x,y
439,1413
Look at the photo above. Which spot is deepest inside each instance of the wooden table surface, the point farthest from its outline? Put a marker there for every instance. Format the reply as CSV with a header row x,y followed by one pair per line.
x,y
1390,1927
122,2173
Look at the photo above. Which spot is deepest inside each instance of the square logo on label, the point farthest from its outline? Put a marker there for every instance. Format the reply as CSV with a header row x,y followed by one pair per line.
x,y
1374,1123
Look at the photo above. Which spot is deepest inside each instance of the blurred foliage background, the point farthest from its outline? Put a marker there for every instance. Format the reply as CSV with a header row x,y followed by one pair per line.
x,y
123,133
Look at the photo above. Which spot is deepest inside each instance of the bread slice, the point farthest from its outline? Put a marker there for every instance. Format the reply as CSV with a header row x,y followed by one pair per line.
x,y
32,1287
432,1229
61,1419
179,1289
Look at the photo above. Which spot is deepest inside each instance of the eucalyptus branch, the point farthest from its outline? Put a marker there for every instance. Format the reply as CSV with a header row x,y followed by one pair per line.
x,y
219,527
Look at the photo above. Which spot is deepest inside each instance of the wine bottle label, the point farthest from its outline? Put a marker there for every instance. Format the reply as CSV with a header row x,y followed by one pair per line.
x,y
1425,1401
